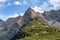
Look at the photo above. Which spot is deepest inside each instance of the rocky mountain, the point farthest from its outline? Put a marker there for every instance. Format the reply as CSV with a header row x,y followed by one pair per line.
x,y
9,28
37,29
52,17
1,20
12,25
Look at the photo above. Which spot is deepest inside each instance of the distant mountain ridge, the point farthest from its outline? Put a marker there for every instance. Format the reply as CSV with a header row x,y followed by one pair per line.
x,y
52,17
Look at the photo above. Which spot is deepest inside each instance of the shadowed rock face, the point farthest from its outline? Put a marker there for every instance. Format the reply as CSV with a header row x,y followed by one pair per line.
x,y
9,28
29,14
1,20
52,17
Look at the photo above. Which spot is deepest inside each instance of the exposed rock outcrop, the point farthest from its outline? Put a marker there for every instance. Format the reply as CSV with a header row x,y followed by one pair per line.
x,y
52,17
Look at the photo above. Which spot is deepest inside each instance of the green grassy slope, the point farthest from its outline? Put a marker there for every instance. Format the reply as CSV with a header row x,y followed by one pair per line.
x,y
38,30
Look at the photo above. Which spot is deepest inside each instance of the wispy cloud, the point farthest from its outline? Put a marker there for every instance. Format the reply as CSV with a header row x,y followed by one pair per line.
x,y
14,15
55,3
25,2
42,8
38,9
21,14
45,6
4,17
17,3
3,0
1,5
9,4
4,3
33,2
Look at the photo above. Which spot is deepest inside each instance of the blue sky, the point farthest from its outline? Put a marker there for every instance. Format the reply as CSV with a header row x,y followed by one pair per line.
x,y
14,8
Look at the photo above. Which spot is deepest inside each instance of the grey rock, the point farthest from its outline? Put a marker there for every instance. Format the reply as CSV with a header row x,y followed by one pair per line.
x,y
52,17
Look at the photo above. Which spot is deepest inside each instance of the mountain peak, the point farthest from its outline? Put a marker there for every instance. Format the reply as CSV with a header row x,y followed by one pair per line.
x,y
30,9
30,12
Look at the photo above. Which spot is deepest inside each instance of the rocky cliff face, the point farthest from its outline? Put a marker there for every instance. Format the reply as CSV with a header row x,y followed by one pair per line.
x,y
29,14
1,20
52,17
9,28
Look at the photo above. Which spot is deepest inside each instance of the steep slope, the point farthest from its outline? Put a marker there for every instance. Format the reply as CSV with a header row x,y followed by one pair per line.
x,y
29,14
37,29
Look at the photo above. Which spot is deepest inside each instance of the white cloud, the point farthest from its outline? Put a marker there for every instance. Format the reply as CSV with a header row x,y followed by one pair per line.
x,y
4,17
21,14
45,7
1,5
3,0
17,3
14,15
9,4
25,2
34,1
38,9
55,3
42,8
